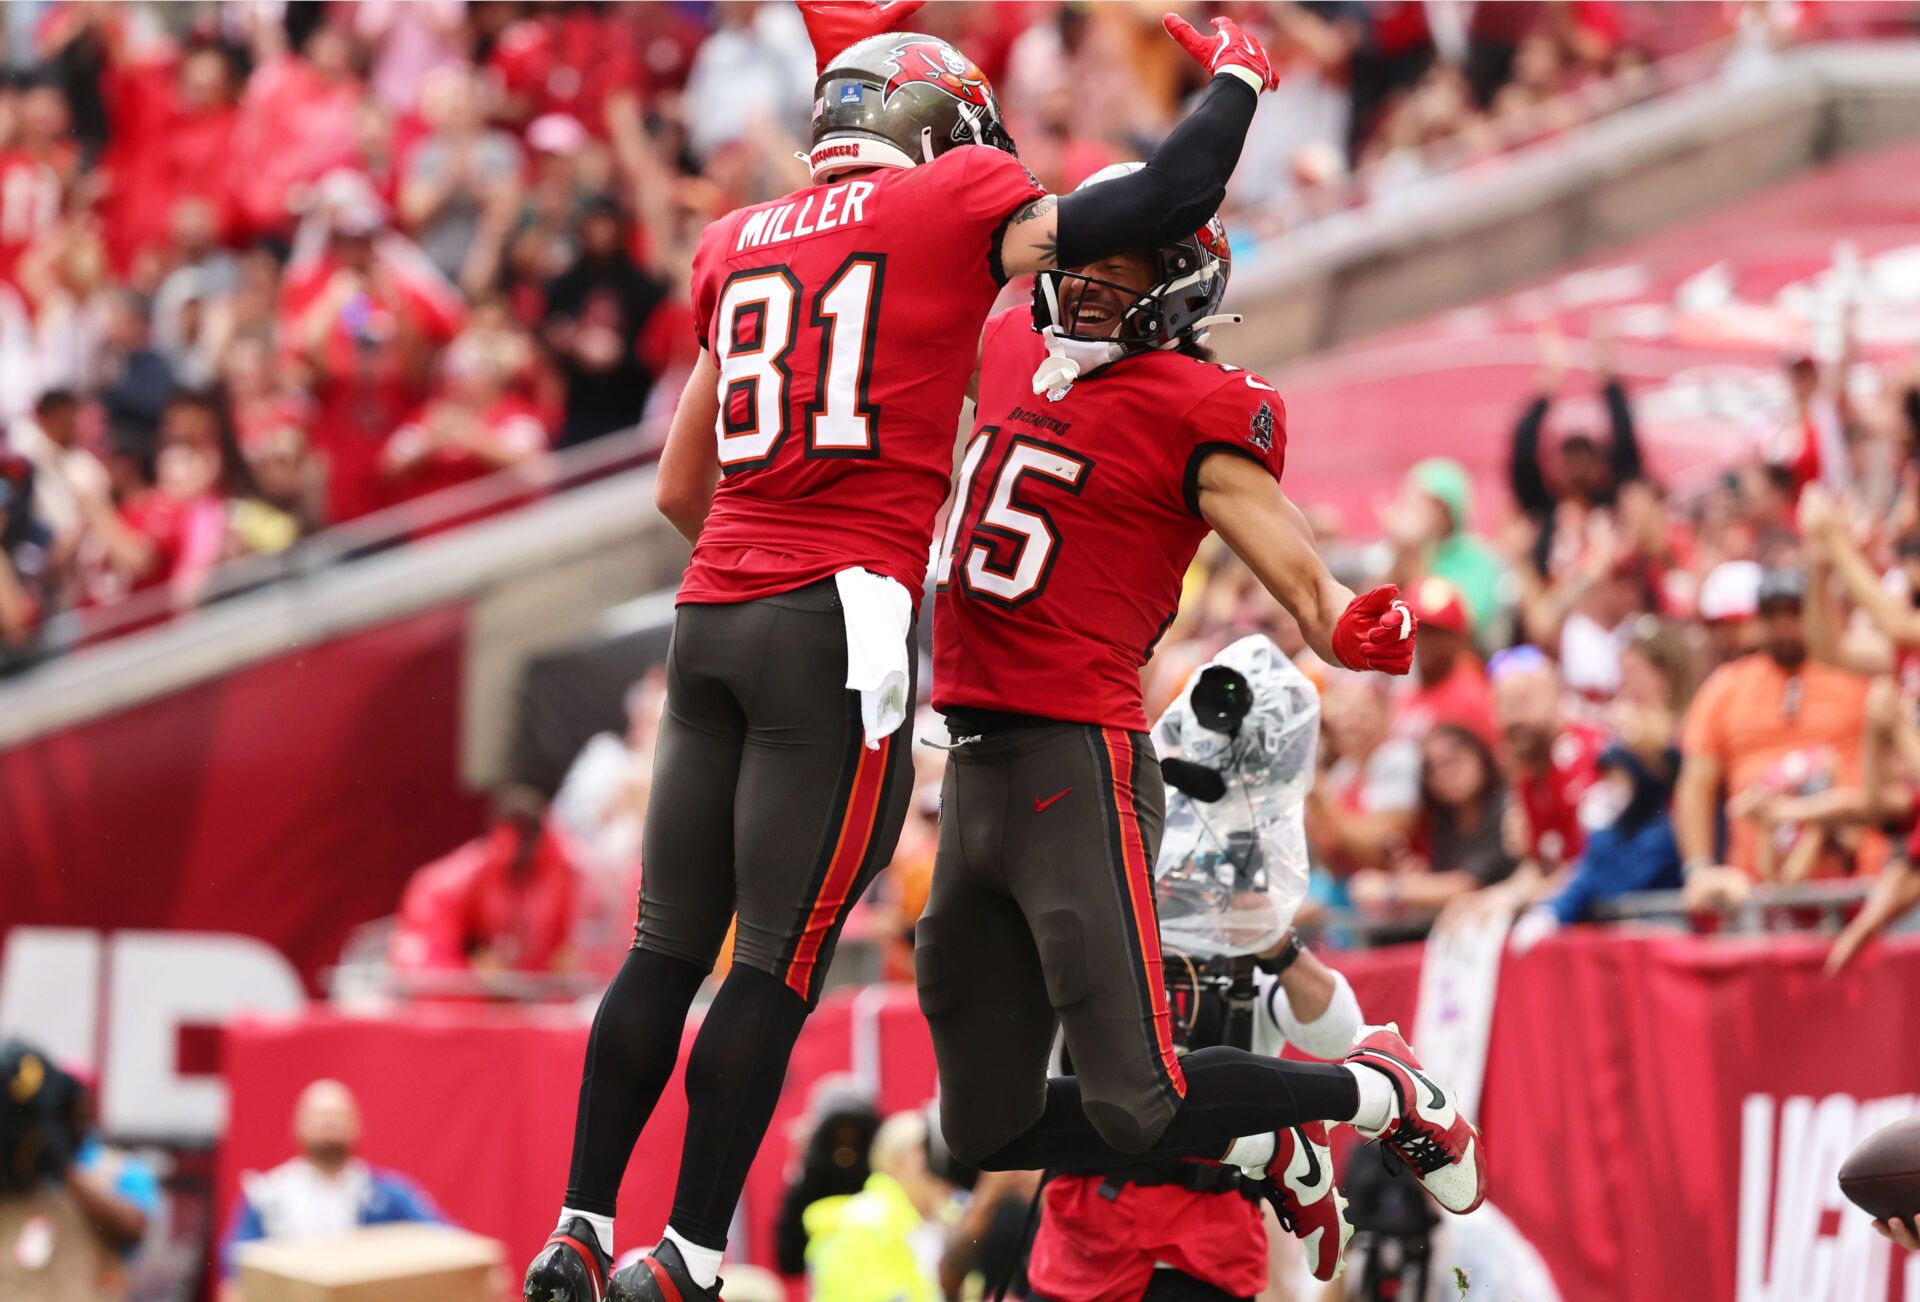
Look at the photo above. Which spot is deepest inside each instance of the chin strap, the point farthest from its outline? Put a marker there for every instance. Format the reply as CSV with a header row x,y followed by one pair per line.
x,y
1068,359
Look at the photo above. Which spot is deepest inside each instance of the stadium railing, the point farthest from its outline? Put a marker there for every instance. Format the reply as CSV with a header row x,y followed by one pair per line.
x,y
367,536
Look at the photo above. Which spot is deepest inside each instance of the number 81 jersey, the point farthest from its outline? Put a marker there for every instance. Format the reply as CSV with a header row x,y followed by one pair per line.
x,y
845,319
1074,523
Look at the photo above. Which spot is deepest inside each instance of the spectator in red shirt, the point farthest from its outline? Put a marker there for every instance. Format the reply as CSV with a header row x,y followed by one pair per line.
x,y
34,171
1552,761
173,121
501,902
365,326
473,429
272,159
1449,685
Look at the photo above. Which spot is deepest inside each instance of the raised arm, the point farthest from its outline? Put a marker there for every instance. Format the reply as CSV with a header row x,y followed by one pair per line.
x,y
1624,454
1244,503
1181,185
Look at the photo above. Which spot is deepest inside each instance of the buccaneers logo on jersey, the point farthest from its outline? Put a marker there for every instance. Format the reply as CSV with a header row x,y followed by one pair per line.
x,y
943,68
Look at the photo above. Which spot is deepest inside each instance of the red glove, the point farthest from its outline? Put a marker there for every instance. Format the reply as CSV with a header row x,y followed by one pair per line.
x,y
1376,631
833,25
1229,50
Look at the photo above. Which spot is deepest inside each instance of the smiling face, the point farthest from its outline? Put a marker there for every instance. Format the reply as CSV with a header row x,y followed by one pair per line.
x,y
1092,309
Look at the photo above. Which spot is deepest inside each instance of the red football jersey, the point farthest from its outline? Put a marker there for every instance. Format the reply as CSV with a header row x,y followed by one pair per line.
x,y
1075,521
845,319
1552,797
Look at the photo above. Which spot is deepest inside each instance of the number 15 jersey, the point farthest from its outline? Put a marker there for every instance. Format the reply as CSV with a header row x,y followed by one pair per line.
x,y
1075,521
845,319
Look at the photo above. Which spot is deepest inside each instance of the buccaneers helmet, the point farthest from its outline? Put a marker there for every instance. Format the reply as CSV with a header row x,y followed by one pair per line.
x,y
898,100
1189,282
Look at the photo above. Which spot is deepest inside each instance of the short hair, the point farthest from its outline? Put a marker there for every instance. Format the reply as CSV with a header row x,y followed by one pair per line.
x,y
55,399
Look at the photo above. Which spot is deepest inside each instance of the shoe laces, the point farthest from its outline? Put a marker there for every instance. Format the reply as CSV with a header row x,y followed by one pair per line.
x,y
1282,1208
1421,1146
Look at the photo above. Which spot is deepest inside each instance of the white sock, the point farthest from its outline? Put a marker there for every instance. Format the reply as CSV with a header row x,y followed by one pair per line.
x,y
702,1263
1376,1100
602,1226
1251,1153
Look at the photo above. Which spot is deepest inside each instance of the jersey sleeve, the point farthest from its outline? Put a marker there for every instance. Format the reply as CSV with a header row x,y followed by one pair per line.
x,y
993,186
1241,416
709,269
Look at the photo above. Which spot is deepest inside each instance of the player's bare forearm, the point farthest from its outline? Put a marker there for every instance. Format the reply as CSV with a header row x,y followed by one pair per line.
x,y
689,469
1245,505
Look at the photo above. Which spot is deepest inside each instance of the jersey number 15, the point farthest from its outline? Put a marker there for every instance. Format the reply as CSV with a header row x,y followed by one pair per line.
x,y
1023,529
757,328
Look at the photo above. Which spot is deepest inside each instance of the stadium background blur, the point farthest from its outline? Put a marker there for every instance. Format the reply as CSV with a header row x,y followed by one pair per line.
x,y
305,305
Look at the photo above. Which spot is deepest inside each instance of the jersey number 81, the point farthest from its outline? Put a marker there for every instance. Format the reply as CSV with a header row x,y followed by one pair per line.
x,y
758,326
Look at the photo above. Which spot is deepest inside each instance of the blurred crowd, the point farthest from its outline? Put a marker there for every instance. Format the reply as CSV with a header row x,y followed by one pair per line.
x,y
1618,690
270,267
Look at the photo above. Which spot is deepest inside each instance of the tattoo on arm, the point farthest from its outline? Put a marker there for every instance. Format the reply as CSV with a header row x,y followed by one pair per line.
x,y
1040,207
1046,247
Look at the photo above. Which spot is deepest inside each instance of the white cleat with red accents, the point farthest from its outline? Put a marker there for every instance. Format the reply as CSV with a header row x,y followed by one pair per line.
x,y
1298,1182
1425,1128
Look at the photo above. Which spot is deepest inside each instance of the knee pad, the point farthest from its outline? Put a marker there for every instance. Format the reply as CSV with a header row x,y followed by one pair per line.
x,y
974,1133
1060,936
1125,1127
939,974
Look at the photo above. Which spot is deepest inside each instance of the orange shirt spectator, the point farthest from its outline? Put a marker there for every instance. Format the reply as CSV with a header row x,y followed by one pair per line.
x,y
1765,725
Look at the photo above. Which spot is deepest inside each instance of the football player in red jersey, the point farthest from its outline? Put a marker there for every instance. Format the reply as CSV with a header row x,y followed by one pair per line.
x,y
808,458
1105,447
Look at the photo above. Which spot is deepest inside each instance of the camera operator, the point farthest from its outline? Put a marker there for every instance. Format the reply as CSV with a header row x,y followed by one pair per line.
x,y
51,1249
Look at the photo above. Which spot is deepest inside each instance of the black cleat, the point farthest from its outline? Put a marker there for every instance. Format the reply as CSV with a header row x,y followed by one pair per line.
x,y
661,1276
571,1268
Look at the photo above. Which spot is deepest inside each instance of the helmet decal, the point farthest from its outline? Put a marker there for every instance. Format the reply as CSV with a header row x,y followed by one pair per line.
x,y
941,66
1213,238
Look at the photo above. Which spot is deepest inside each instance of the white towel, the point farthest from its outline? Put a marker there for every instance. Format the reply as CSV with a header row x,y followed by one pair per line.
x,y
879,614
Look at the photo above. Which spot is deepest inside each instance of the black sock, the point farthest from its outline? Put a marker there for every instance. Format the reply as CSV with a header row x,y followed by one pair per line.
x,y
630,1054
734,1075
1230,1093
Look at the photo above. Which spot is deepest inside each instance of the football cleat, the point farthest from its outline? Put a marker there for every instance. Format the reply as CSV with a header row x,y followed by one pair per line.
x,y
1426,1129
661,1276
1298,1183
570,1268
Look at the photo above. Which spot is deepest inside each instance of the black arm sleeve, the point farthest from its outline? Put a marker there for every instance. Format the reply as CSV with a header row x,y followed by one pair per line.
x,y
1626,443
1168,199
1530,492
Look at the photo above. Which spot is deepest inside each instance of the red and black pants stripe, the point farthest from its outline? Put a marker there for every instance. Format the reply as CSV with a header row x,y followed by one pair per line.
x,y
1042,914
766,803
